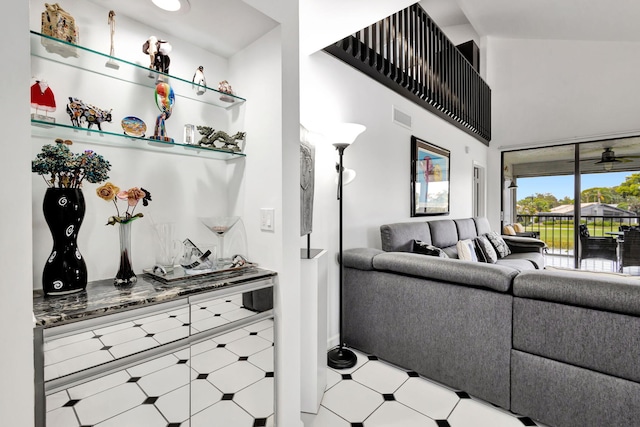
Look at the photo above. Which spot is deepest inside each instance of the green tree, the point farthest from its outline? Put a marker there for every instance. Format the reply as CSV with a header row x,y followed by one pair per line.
x,y
607,195
630,187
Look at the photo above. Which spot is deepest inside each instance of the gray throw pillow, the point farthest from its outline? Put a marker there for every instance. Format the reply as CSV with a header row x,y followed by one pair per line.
x,y
420,247
498,244
486,249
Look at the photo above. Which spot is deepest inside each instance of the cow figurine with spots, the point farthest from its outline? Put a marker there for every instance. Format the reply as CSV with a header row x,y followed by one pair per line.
x,y
80,112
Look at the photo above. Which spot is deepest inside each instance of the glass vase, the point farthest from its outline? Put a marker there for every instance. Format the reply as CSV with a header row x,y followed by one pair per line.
x,y
125,275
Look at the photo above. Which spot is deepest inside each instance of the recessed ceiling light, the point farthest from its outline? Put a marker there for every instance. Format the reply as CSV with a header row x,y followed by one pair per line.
x,y
173,5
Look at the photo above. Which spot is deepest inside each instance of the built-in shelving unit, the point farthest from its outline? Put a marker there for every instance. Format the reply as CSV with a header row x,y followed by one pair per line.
x,y
91,61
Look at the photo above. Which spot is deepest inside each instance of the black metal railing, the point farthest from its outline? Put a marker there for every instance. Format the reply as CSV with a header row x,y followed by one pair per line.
x,y
558,231
408,53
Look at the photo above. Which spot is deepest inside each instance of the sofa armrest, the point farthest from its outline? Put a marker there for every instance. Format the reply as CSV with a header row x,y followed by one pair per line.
x,y
524,244
360,258
491,276
604,291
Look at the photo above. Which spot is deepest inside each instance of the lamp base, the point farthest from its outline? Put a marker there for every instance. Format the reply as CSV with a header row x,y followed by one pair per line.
x,y
341,358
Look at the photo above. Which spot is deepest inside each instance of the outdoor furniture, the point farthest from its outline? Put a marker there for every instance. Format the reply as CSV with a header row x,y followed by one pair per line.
x,y
630,256
518,229
596,247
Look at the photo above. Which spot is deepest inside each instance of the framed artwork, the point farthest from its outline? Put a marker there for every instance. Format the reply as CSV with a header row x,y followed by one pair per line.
x,y
429,179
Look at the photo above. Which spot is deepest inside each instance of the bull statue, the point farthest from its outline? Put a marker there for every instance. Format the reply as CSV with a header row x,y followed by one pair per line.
x,y
79,112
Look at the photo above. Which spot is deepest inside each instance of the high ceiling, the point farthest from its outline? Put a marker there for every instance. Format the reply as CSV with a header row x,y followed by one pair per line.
x,y
542,19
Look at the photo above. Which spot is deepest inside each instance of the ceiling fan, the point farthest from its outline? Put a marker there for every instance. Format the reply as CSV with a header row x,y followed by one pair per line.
x,y
609,156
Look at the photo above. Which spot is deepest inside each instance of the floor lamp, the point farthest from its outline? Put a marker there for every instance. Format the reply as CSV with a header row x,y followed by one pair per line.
x,y
342,136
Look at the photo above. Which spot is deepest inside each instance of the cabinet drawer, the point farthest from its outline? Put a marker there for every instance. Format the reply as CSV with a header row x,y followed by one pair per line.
x,y
73,348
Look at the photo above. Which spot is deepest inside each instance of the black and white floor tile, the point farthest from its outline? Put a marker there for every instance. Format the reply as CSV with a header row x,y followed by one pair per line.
x,y
231,378
377,394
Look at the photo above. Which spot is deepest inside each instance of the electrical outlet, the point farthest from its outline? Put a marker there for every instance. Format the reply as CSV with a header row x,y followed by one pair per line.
x,y
267,218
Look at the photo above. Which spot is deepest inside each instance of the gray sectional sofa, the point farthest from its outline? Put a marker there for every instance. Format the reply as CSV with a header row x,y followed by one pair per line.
x,y
561,347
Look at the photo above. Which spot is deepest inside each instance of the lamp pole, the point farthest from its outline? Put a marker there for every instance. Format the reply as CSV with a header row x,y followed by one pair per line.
x,y
340,357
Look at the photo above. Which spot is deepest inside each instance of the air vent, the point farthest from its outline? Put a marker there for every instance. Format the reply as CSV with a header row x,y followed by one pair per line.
x,y
403,119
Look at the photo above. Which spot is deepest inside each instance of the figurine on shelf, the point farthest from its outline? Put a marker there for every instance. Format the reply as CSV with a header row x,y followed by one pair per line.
x,y
59,24
111,20
225,87
158,51
80,112
210,136
198,79
42,98
165,98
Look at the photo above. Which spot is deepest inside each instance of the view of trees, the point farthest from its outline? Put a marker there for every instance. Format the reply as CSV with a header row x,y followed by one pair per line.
x,y
626,196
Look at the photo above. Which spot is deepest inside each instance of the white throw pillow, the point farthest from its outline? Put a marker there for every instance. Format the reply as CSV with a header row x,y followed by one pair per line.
x,y
467,250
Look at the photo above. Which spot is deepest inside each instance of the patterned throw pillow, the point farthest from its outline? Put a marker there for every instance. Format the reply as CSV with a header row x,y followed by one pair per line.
x,y
486,249
466,250
420,247
498,244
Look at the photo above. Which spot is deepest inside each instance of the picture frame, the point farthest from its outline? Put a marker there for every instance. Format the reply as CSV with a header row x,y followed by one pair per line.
x,y
430,178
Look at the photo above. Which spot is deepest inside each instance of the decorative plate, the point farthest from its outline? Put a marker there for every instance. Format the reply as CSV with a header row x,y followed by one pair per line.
x,y
133,126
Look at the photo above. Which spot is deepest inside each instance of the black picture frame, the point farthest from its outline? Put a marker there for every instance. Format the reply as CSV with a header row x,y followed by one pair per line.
x,y
430,178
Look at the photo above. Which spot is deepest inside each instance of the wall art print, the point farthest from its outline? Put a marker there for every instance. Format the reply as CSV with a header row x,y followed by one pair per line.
x,y
430,175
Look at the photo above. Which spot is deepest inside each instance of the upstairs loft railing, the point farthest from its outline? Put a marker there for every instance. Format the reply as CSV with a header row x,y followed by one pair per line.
x,y
409,54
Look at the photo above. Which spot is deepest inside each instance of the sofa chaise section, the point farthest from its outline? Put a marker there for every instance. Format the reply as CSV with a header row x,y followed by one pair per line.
x,y
576,348
447,319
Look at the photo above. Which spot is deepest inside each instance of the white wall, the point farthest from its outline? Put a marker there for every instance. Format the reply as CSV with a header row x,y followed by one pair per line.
x,y
547,92
332,91
16,362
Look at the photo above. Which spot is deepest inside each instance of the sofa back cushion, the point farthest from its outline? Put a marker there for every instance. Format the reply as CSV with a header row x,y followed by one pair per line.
x,y
444,233
482,225
466,228
399,237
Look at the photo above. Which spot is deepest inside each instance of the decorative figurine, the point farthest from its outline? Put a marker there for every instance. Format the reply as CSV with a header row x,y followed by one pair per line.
x,y
133,126
59,24
112,29
42,98
80,112
210,136
158,51
198,79
165,98
225,87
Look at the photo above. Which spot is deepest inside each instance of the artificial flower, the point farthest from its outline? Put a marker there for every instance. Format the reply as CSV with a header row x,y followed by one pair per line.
x,y
110,192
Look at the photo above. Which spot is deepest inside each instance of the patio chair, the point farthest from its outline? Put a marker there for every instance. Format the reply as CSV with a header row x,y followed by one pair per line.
x,y
630,256
596,247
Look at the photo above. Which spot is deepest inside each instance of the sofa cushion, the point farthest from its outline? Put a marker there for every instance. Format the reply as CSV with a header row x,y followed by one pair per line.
x,y
360,258
482,225
444,233
499,244
516,264
467,250
535,259
399,237
478,274
486,249
466,228
420,247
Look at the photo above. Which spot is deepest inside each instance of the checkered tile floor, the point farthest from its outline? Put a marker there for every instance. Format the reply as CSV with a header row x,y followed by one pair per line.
x,y
376,394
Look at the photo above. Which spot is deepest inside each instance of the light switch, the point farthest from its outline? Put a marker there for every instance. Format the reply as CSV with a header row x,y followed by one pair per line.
x,y
267,218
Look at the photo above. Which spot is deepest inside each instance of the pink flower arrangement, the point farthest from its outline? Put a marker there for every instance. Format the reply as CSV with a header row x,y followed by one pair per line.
x,y
110,192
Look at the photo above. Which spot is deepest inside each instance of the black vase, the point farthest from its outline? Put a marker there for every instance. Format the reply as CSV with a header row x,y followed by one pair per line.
x,y
65,270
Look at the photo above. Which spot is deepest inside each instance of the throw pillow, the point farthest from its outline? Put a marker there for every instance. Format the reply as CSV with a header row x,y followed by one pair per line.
x,y
486,249
420,247
508,229
466,250
518,228
498,244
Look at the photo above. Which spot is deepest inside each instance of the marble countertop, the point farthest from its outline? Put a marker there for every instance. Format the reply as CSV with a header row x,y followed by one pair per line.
x,y
102,297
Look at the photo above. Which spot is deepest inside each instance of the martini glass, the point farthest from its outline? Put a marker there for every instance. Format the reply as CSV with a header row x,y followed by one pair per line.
x,y
220,225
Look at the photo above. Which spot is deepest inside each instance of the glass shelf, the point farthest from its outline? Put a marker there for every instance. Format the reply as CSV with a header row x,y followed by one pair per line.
x,y
51,131
93,61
